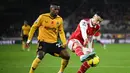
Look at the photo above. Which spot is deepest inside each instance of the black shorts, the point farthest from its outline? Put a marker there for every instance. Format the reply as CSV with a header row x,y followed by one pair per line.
x,y
24,37
51,48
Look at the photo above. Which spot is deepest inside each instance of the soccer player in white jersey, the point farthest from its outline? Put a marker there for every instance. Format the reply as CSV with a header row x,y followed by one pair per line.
x,y
81,40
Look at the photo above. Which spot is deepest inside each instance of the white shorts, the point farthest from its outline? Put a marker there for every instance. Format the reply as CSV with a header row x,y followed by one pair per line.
x,y
73,41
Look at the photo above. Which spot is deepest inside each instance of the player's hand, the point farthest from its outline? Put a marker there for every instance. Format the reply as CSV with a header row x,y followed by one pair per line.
x,y
85,42
27,45
64,45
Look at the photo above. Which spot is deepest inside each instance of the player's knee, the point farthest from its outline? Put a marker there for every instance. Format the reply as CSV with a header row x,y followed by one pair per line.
x,y
40,55
66,57
65,54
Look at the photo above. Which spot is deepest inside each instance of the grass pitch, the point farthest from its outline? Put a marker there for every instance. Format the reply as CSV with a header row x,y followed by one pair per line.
x,y
114,59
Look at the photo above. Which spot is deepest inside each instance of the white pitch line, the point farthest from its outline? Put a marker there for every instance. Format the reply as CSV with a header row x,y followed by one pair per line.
x,y
79,66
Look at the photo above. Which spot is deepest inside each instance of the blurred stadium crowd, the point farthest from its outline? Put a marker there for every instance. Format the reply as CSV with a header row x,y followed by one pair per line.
x,y
116,15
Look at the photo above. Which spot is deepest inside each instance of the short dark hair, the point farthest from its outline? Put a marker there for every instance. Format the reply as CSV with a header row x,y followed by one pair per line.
x,y
55,3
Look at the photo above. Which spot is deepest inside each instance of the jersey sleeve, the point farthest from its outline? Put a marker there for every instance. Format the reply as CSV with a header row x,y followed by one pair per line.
x,y
83,28
35,25
62,33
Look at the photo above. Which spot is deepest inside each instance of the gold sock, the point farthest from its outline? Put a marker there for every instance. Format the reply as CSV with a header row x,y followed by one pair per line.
x,y
64,63
34,65
23,45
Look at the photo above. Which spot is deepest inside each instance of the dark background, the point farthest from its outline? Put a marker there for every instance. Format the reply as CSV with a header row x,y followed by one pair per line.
x,y
14,12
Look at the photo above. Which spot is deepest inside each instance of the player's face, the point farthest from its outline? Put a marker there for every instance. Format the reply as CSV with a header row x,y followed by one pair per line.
x,y
97,20
55,9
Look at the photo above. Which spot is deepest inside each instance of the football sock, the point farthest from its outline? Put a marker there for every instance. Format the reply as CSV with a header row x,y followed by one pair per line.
x,y
34,65
78,51
23,45
63,65
84,67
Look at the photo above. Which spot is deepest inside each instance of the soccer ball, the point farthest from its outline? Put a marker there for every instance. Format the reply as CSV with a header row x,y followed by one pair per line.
x,y
93,62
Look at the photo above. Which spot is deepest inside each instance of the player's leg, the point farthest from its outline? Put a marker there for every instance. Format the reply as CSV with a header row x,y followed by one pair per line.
x,y
57,50
37,60
23,45
28,48
84,67
77,48
23,42
98,39
91,62
65,59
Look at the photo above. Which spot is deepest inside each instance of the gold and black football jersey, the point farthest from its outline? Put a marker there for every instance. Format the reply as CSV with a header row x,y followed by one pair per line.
x,y
25,29
48,29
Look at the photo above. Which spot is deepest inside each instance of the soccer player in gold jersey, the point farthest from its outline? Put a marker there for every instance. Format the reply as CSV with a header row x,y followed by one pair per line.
x,y
49,25
24,33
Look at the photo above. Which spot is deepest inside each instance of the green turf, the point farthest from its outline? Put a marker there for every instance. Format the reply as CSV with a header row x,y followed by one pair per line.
x,y
115,59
